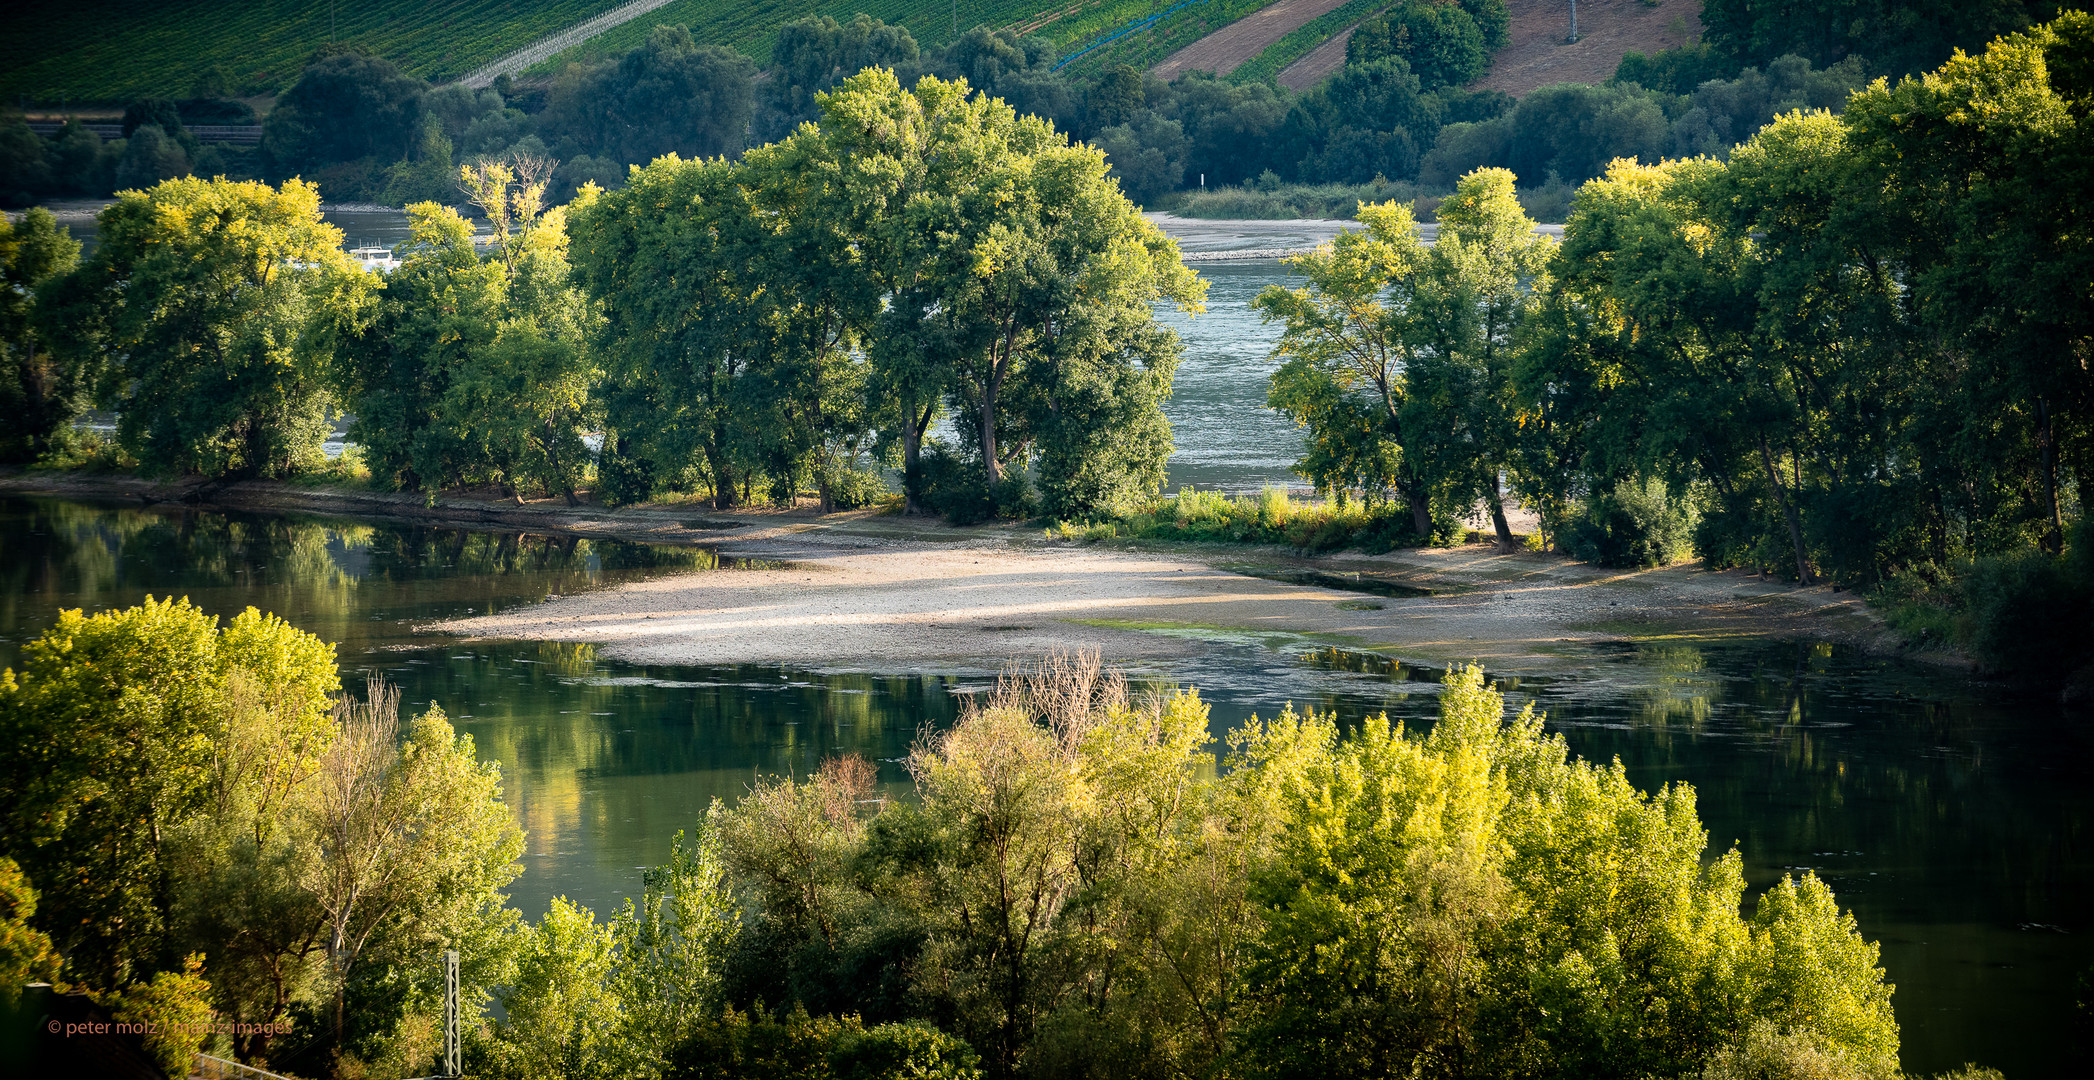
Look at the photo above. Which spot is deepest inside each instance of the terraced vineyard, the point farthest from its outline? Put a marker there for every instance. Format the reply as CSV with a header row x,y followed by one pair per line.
x,y
749,25
115,50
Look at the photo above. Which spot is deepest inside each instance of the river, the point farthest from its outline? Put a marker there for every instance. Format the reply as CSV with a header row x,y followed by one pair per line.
x,y
1951,816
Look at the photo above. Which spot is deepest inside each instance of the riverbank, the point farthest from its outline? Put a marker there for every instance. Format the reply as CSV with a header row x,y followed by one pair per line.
x,y
863,590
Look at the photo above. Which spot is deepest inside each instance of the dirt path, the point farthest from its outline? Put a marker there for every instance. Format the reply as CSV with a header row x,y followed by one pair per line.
x,y
1228,48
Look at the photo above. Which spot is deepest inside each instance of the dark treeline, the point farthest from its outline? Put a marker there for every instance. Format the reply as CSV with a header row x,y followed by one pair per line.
x,y
1855,351
1396,112
1889,38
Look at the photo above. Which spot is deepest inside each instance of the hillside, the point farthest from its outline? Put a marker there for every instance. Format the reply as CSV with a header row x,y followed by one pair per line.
x,y
114,50
1303,41
1537,55
119,50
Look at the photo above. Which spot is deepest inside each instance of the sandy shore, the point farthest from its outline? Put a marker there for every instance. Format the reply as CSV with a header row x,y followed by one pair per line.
x,y
864,594
871,592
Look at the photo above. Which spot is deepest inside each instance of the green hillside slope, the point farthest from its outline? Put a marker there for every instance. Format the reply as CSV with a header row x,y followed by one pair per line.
x,y
115,50
749,25
118,50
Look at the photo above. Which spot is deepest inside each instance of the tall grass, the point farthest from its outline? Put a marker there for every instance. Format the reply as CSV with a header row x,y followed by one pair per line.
x,y
1270,517
1280,202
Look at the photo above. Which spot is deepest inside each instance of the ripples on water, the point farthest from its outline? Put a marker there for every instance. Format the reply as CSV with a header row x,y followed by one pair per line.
x,y
1950,816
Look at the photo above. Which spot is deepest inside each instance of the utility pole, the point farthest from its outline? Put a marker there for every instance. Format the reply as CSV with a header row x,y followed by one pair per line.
x,y
1573,39
451,1055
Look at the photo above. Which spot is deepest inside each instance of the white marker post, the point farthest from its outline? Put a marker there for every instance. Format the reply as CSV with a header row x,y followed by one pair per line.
x,y
451,1055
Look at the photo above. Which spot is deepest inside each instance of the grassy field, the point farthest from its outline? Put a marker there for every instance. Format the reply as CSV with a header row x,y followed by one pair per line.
x,y
116,50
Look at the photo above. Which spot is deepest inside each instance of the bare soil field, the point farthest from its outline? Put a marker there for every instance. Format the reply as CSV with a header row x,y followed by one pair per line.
x,y
1537,55
1228,48
1318,64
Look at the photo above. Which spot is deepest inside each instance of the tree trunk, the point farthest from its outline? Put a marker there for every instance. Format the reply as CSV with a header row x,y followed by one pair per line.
x,y
1421,513
991,467
2046,447
1788,511
1497,505
912,457
723,481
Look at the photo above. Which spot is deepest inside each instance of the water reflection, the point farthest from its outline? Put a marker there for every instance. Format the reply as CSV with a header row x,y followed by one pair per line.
x,y
1952,817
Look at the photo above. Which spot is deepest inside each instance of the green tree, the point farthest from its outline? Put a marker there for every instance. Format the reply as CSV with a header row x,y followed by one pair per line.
x,y
26,955
411,845
439,308
677,260
39,396
175,1009
1480,293
218,306
523,401
1353,332
345,107
1988,158
669,96
560,1021
1442,42
112,722
1476,902
815,52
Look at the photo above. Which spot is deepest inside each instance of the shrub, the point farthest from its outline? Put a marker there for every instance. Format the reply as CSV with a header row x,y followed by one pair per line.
x,y
176,1006
1635,523
2031,614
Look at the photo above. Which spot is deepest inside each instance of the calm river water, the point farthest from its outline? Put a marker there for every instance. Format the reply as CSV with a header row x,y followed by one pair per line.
x,y
1952,817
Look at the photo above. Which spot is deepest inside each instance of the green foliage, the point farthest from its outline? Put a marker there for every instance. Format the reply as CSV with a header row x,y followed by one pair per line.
x,y
111,721
345,107
560,1022
1636,523
1271,518
39,397
208,795
1076,890
174,1008
1398,359
26,955
669,96
1445,44
1849,379
2031,613
207,316
1897,39
1029,313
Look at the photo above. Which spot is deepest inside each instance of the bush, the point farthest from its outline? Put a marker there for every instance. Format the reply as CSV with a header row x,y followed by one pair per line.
x,y
757,1045
176,1006
2031,614
958,488
1270,518
1770,1053
1636,523
851,488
